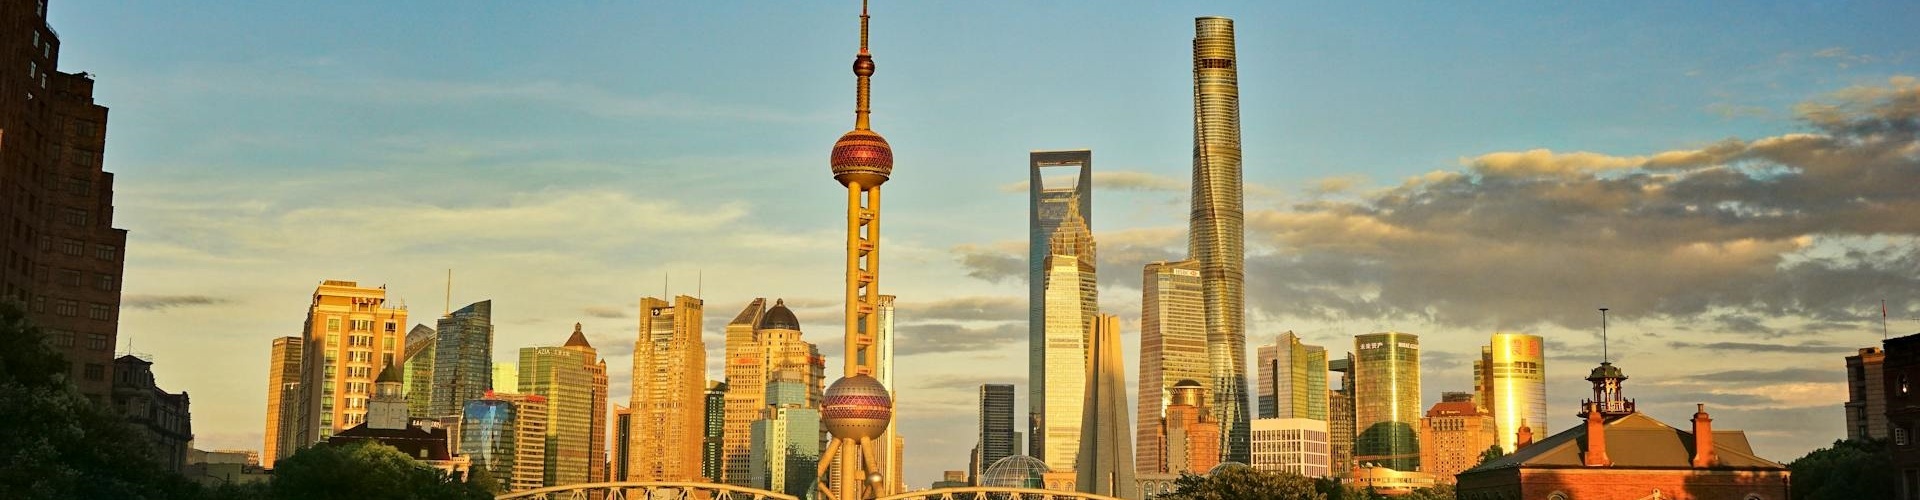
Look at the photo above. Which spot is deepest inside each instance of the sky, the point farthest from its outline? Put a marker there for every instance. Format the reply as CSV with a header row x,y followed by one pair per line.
x,y
1734,179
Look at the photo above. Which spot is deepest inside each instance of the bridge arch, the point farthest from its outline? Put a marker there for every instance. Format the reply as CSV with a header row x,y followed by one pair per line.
x,y
645,490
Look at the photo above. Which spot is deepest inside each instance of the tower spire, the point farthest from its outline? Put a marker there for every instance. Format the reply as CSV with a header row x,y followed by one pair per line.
x,y
862,70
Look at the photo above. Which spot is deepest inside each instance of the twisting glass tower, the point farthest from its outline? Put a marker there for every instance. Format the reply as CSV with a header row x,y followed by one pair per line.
x,y
858,407
1217,234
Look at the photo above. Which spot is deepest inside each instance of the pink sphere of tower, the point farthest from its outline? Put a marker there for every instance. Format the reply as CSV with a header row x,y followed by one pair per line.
x,y
857,407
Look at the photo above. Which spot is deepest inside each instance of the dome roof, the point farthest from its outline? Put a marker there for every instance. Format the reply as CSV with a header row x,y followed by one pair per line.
x,y
779,318
862,156
391,374
1017,471
1224,466
1606,370
1188,383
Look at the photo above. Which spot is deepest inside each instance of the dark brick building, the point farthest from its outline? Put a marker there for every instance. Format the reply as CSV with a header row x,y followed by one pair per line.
x,y
1900,370
60,257
166,417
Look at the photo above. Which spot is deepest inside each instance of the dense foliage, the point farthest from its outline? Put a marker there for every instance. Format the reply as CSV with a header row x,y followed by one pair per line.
x,y
1847,470
1236,483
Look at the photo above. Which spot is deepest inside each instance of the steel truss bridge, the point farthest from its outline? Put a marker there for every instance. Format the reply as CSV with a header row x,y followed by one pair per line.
x,y
657,490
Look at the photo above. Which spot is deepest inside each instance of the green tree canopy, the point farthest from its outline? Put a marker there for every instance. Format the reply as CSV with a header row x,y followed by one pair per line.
x,y
1848,469
1241,483
1493,453
365,470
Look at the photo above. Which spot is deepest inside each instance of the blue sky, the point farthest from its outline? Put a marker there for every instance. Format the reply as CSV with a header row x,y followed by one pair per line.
x,y
562,158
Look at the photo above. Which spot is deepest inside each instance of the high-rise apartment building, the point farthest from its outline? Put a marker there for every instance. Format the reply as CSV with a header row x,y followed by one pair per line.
x,y
1293,445
283,388
352,333
573,380
1292,379
1386,400
1072,300
997,437
1453,435
763,346
462,357
1186,440
1173,347
1511,385
418,366
1866,395
1105,459
61,258
712,463
1060,187
1217,233
669,376
506,434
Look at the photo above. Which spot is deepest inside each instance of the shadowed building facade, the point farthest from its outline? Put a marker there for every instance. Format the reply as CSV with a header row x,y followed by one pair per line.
x,y
1105,461
669,376
573,380
1340,416
1217,230
1173,348
283,387
462,357
997,438
1386,400
506,434
1866,395
165,418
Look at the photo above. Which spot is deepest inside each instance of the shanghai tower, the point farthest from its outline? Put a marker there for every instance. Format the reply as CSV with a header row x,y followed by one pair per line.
x,y
1216,234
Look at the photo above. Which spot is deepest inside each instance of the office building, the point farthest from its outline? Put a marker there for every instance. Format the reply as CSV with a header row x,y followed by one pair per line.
x,y
1454,434
1105,459
1186,440
352,332
669,378
712,464
1386,400
418,370
997,438
164,418
622,443
1511,380
1340,417
283,389
1173,348
1071,302
1292,445
1866,395
1292,379
63,258
573,380
462,357
506,434
785,450
763,345
1060,183
893,455
1216,235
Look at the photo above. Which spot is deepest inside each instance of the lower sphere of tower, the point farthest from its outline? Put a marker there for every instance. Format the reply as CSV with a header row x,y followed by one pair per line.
x,y
857,407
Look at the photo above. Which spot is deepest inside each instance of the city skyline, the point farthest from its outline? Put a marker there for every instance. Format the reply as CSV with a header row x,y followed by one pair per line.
x,y
174,280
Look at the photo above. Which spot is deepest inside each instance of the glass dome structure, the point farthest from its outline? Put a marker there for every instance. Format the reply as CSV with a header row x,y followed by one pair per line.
x,y
1017,471
1224,466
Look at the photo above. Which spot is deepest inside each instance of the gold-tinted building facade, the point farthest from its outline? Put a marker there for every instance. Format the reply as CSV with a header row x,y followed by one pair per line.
x,y
352,332
283,386
1217,229
573,380
1292,379
1386,400
1072,301
1173,347
669,378
1512,370
1452,436
763,346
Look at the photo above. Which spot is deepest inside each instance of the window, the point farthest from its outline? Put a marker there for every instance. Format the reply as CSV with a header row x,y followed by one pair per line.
x,y
1903,383
33,70
103,282
100,312
62,338
1900,435
40,304
66,308
391,327
79,185
96,372
97,341
361,325
71,246
105,252
70,277
333,325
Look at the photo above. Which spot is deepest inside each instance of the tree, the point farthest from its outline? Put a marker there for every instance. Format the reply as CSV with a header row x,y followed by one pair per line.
x,y
1848,469
365,470
1440,491
1334,489
1493,453
1243,482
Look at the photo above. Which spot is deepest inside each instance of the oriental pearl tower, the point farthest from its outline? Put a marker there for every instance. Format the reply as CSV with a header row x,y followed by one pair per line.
x,y
858,407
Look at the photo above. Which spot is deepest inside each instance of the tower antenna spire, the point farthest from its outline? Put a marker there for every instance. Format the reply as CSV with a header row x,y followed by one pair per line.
x,y
1604,358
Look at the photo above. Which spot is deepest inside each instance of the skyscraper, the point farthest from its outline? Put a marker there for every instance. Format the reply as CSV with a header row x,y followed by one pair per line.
x,y
892,458
1453,435
1514,372
1059,182
997,438
351,334
1105,461
418,363
63,256
622,442
712,463
462,357
1295,445
1293,379
1386,400
763,346
858,409
573,380
1071,303
1173,347
1217,234
1340,417
506,435
669,374
786,449
283,387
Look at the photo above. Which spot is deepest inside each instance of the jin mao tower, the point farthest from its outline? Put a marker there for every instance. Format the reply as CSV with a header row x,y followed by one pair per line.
x,y
858,407
1217,234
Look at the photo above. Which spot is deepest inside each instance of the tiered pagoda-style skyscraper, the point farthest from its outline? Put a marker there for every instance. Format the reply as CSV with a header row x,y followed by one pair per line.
x,y
858,408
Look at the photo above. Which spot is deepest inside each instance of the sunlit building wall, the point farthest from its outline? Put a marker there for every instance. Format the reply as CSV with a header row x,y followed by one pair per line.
x,y
1059,182
1071,303
1453,435
351,333
1292,445
1173,347
669,376
1217,229
573,379
283,386
1386,400
1292,379
1518,376
418,370
764,345
506,435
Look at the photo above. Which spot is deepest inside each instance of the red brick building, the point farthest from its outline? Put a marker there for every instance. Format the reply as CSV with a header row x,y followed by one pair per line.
x,y
1621,454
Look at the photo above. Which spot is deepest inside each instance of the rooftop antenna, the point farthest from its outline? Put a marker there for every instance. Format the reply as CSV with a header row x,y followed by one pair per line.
x,y
447,310
1603,337
665,278
700,283
1883,320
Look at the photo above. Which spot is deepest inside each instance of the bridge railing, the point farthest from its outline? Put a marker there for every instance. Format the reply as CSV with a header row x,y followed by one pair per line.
x,y
993,493
645,490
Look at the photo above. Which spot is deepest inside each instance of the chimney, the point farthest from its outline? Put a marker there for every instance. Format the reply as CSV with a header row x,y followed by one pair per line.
x,y
1523,437
1596,438
1703,454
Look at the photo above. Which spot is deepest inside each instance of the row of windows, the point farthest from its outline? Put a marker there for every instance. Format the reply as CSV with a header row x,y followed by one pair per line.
x,y
72,246
71,308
